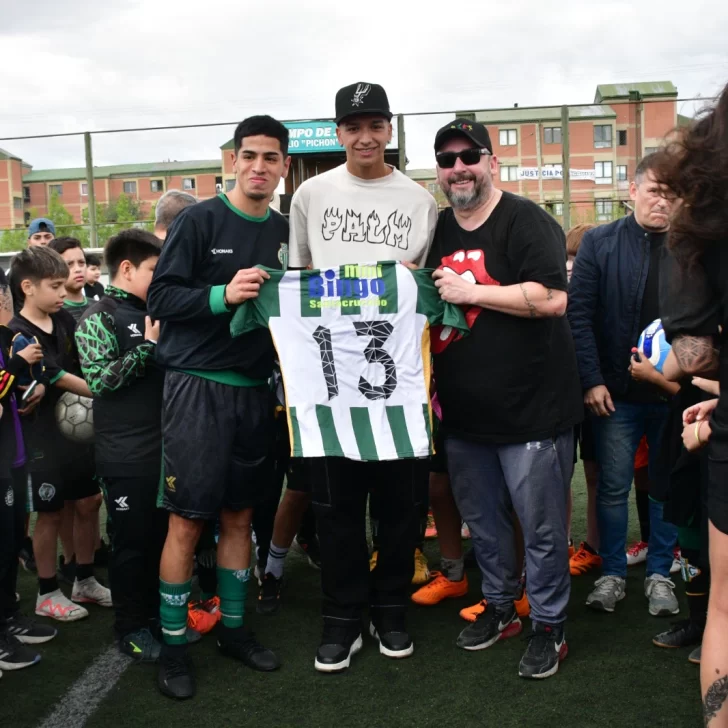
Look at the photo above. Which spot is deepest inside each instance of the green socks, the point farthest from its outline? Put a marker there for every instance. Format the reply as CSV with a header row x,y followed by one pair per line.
x,y
173,611
232,587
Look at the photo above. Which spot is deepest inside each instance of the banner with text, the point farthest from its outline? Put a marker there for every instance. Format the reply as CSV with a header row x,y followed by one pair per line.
x,y
308,137
554,173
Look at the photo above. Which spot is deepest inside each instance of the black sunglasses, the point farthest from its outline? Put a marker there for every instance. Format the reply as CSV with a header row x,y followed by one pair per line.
x,y
469,157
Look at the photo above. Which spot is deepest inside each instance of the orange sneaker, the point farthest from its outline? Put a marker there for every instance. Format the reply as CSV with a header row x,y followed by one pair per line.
x,y
431,530
583,561
440,588
203,616
523,606
470,614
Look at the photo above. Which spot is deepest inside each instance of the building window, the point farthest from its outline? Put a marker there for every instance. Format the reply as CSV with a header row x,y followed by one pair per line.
x,y
605,209
17,203
622,137
432,188
229,184
26,217
218,184
621,173
508,137
602,136
552,135
508,173
603,173
130,188
157,185
84,189
26,194
651,150
55,190
556,208
188,183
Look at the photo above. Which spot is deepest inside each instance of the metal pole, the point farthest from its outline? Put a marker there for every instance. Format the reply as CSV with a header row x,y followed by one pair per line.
x,y
401,143
91,192
565,166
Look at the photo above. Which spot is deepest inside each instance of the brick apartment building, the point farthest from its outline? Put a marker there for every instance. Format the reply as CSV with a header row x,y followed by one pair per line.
x,y
607,140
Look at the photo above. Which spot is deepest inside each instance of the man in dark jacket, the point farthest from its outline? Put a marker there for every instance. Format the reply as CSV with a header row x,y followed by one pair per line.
x,y
613,297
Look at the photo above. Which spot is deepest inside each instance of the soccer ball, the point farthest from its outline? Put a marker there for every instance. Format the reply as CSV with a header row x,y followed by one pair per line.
x,y
653,345
75,417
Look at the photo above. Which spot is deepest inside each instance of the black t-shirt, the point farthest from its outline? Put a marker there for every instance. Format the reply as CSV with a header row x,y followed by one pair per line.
x,y
76,309
94,291
205,247
644,392
694,302
46,447
512,379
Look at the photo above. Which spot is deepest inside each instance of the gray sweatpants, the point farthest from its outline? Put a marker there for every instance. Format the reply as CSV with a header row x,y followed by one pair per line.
x,y
532,479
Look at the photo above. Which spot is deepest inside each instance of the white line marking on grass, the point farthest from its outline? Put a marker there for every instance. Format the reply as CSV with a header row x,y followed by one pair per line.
x,y
88,691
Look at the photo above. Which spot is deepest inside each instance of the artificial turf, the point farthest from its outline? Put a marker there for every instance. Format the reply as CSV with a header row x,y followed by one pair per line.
x,y
613,675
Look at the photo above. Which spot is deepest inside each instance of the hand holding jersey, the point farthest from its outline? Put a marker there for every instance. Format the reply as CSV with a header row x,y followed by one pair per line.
x,y
244,285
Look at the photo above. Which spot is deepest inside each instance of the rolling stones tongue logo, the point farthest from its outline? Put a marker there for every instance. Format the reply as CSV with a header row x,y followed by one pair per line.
x,y
470,266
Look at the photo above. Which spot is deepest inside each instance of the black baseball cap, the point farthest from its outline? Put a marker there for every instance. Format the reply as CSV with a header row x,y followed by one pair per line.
x,y
473,130
362,98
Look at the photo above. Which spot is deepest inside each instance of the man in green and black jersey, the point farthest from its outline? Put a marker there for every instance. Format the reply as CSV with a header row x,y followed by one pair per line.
x,y
216,413
116,343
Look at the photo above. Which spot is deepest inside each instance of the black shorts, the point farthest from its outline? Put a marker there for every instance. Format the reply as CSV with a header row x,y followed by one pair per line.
x,y
295,470
218,446
50,489
438,461
297,477
584,435
718,494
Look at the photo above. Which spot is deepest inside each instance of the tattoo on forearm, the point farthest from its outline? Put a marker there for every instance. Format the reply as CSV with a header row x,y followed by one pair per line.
x,y
549,294
529,303
695,354
714,698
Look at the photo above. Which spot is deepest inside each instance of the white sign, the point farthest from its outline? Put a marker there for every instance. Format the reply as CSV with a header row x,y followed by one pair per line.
x,y
554,173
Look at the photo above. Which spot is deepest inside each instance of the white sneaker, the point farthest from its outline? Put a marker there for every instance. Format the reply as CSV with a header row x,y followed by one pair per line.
x,y
608,590
661,593
637,554
89,590
57,606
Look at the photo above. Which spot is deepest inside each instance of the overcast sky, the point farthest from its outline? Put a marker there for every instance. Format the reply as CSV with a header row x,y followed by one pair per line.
x,y
87,65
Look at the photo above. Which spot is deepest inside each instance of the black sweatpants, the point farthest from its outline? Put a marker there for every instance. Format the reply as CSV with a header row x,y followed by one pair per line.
x,y
12,529
138,531
340,491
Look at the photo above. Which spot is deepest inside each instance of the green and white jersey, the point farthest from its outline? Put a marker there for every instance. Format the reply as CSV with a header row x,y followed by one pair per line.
x,y
354,348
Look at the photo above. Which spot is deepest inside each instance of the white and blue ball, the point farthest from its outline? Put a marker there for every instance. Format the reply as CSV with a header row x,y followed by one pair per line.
x,y
653,344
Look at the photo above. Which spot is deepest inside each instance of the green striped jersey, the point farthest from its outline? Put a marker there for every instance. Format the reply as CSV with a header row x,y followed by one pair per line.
x,y
353,343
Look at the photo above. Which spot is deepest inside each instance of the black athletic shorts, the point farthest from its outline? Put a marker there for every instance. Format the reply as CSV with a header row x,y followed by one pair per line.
x,y
584,436
718,494
296,472
50,489
218,446
438,461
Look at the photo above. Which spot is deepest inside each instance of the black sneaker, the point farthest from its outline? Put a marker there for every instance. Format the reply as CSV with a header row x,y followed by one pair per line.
x,y
102,554
546,648
685,633
241,644
14,655
28,631
490,625
269,597
310,549
337,646
141,646
391,633
26,557
66,571
176,679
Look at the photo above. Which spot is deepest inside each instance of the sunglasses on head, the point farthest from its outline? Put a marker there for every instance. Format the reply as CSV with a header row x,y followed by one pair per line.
x,y
469,157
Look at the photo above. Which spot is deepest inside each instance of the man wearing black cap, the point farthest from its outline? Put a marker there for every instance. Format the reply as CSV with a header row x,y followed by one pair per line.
x,y
509,392
361,212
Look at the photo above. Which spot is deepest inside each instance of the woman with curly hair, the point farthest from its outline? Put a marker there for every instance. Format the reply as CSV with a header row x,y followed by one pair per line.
x,y
694,310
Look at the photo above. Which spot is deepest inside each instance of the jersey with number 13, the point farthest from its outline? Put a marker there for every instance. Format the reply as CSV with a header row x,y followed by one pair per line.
x,y
353,343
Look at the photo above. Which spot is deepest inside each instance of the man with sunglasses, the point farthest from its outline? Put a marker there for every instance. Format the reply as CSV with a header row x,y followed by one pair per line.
x,y
509,391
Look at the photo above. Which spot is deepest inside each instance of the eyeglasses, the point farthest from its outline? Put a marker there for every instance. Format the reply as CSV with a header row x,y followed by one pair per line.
x,y
469,157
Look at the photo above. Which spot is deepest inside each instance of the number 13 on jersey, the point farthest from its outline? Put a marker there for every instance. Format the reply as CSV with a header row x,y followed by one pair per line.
x,y
353,345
